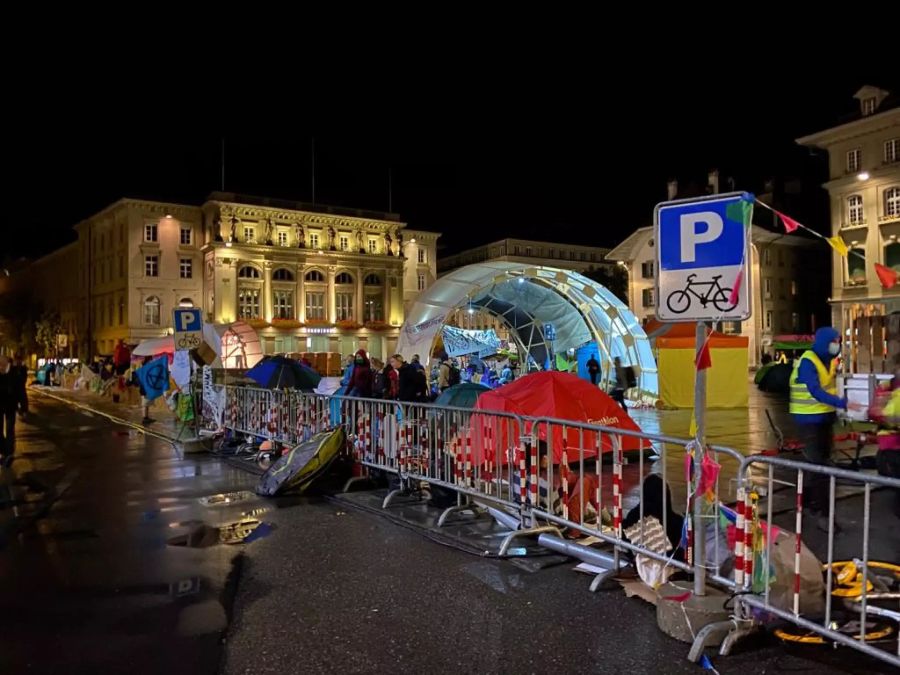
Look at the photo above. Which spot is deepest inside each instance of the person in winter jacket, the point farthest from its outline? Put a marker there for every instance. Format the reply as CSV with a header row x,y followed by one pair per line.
x,y
360,381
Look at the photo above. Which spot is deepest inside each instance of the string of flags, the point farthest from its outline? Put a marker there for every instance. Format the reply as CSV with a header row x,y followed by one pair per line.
x,y
886,276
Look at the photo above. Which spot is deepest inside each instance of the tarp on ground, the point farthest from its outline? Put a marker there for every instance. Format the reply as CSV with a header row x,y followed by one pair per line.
x,y
727,383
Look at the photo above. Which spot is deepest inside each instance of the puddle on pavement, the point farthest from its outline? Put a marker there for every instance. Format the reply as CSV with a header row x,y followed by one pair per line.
x,y
227,498
241,531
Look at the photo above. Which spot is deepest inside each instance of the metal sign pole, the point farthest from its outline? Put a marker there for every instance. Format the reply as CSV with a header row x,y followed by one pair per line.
x,y
700,420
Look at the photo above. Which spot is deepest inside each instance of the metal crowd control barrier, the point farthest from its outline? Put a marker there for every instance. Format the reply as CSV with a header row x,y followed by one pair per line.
x,y
545,473
806,486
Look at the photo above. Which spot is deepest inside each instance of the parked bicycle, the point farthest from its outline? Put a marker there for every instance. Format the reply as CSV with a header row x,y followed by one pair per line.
x,y
680,301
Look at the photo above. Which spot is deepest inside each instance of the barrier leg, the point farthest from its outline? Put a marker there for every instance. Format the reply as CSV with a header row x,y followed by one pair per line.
x,y
353,480
449,511
530,532
710,634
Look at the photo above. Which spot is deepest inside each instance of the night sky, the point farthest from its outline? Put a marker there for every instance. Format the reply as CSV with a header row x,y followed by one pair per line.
x,y
580,165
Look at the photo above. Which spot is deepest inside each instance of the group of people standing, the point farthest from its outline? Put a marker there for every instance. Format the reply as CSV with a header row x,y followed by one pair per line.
x,y
13,401
395,381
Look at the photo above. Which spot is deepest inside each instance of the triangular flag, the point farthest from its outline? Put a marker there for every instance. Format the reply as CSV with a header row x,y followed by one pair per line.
x,y
748,211
703,360
886,275
736,291
838,245
789,223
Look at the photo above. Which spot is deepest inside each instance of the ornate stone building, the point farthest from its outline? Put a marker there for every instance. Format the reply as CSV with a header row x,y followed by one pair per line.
x,y
308,278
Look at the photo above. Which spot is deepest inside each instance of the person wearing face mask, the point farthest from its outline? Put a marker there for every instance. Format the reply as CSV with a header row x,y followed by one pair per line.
x,y
813,406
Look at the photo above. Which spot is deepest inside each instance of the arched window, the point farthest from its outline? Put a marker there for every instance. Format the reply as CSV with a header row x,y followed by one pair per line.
x,y
372,280
343,278
282,274
315,276
248,272
892,201
151,311
855,210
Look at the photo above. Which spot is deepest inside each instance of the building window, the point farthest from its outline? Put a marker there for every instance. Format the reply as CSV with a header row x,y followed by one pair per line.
x,y
151,265
247,272
593,257
793,288
767,288
314,240
282,237
343,278
315,276
647,269
421,282
248,303
373,246
151,311
891,150
528,251
856,266
187,268
422,255
186,236
868,105
121,266
150,232
769,320
855,210
767,256
284,304
647,299
345,242
584,256
282,274
795,322
892,256
372,280
249,234
892,202
121,311
552,252
344,306
516,250
571,255
854,159
315,306
374,308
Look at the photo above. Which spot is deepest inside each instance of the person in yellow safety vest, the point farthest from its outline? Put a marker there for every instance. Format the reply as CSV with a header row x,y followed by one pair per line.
x,y
813,405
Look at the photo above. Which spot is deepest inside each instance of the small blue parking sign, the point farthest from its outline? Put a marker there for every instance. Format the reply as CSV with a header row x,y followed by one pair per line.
x,y
188,323
703,248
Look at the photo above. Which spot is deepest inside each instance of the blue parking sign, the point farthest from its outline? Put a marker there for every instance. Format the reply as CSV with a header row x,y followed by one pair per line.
x,y
702,254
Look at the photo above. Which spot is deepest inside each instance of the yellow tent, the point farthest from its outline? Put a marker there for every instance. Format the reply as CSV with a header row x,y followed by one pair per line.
x,y
726,382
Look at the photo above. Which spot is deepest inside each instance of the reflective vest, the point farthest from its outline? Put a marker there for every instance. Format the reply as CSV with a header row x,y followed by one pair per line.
x,y
802,402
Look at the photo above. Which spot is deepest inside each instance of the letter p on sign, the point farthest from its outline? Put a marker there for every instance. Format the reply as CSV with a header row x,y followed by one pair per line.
x,y
692,234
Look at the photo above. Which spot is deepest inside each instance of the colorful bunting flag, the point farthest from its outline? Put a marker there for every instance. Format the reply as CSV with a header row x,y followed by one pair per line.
x,y
790,225
886,276
704,359
736,291
837,243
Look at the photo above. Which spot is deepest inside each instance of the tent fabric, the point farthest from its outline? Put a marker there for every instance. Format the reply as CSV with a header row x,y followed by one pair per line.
x,y
236,345
548,394
527,297
776,379
677,372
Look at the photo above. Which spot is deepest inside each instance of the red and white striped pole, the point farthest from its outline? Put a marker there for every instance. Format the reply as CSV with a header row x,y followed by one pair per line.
x,y
799,542
617,486
739,540
534,473
523,488
564,476
748,537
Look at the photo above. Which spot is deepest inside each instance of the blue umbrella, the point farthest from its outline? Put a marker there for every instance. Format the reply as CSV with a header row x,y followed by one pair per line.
x,y
278,372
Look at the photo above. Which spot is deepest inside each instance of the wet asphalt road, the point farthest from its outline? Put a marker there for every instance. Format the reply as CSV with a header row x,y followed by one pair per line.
x,y
89,581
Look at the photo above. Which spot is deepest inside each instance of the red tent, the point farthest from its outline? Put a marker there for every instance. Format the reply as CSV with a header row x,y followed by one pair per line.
x,y
549,394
